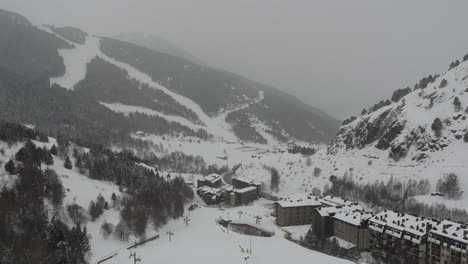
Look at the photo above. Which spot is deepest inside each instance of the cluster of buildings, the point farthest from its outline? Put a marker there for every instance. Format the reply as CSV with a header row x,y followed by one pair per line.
x,y
214,191
392,236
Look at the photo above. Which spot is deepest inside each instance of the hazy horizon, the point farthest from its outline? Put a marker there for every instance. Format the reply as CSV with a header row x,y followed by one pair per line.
x,y
338,56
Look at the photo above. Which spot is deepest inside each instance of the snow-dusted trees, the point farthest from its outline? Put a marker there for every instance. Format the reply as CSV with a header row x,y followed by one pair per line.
x,y
465,137
437,126
454,64
77,214
390,194
26,234
54,188
449,185
443,83
400,93
96,208
107,229
67,164
349,120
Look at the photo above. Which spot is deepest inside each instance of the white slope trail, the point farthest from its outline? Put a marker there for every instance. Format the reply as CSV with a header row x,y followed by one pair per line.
x,y
128,109
77,59
220,120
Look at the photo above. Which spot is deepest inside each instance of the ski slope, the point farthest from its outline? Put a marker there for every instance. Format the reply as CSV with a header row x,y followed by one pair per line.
x,y
77,58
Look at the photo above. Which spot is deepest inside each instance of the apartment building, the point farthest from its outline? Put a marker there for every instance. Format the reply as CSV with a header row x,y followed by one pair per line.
x,y
400,238
296,210
448,243
352,226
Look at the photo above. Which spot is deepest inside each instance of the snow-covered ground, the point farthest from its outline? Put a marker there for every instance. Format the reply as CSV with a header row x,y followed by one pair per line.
x,y
212,151
204,241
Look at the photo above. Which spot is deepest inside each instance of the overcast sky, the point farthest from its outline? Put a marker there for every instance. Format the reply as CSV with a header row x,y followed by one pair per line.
x,y
339,56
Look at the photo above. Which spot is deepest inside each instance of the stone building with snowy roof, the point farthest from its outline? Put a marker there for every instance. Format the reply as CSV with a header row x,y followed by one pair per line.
x,y
351,226
400,238
448,243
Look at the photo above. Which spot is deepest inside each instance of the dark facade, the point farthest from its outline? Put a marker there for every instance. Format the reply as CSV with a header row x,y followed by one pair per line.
x,y
399,238
244,196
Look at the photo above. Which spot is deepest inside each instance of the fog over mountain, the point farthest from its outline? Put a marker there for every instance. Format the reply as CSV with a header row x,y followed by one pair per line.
x,y
340,56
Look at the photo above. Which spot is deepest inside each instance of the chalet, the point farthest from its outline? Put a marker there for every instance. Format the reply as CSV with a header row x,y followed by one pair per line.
x,y
400,238
448,243
351,226
322,218
212,181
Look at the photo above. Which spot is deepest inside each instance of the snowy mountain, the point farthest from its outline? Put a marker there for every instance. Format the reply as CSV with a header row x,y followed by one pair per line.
x,y
421,134
153,92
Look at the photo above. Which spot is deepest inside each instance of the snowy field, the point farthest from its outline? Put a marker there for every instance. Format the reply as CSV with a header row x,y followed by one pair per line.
x,y
204,241
213,151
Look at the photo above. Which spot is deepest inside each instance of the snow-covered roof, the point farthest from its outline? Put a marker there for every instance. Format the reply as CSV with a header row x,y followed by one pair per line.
x,y
246,180
401,225
354,217
335,201
332,210
300,200
209,190
246,189
452,230
342,243
212,177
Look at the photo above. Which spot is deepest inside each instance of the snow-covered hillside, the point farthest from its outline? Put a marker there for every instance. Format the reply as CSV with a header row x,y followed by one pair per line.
x,y
396,140
201,240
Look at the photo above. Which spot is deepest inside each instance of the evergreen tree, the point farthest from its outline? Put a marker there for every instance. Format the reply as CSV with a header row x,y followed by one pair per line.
x,y
68,164
49,160
443,83
23,155
54,150
465,137
10,167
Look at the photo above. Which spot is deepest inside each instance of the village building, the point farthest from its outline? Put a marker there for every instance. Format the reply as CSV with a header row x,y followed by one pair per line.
x,y
448,243
322,218
300,209
244,196
400,238
213,181
212,191
351,226
210,196
296,210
